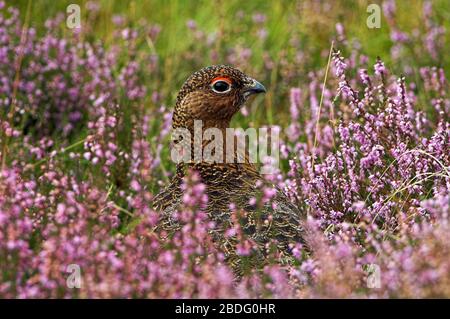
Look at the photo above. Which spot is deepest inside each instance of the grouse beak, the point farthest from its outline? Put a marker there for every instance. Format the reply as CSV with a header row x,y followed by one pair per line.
x,y
254,88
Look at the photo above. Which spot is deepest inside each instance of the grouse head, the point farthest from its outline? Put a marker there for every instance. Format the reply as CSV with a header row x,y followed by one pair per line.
x,y
213,95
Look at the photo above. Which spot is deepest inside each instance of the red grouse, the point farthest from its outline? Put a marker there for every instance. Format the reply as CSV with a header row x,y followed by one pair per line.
x,y
213,95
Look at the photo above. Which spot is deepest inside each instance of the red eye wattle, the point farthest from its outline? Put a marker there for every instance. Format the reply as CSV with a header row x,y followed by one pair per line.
x,y
221,85
221,78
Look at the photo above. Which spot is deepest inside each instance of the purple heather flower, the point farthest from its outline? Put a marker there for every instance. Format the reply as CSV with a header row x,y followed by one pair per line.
x,y
379,68
259,18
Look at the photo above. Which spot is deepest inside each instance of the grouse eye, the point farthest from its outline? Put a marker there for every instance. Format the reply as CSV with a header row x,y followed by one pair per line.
x,y
221,85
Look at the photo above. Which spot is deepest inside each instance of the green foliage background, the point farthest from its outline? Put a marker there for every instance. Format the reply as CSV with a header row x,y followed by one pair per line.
x,y
310,24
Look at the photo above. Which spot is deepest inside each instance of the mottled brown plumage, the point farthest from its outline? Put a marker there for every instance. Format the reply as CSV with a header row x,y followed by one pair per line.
x,y
228,182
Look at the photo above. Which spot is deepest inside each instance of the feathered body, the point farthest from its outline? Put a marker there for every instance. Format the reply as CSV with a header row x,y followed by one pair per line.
x,y
279,220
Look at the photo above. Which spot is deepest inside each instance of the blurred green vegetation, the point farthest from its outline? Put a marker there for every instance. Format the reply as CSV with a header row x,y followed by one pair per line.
x,y
284,18
311,23
297,40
